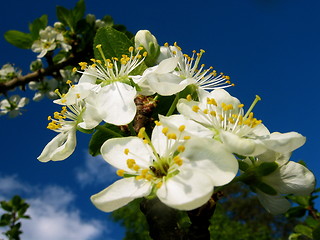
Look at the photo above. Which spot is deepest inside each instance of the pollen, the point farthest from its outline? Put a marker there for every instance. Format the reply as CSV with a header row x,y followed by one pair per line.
x,y
172,136
126,151
182,128
189,98
186,137
181,148
131,162
177,160
195,108
158,185
157,123
212,101
165,130
120,172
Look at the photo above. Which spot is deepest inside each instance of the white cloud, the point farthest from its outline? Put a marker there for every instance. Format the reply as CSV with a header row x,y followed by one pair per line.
x,y
96,171
53,215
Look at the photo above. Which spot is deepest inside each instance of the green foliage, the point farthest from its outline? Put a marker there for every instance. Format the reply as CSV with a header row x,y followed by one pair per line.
x,y
19,39
71,17
15,210
37,25
114,43
103,133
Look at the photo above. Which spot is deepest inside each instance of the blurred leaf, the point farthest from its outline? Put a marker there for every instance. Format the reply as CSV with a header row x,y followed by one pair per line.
x,y
37,25
6,206
305,230
19,39
114,43
296,212
316,233
105,132
266,168
79,10
108,20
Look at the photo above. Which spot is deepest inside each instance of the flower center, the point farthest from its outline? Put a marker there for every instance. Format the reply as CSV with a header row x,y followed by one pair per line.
x,y
114,69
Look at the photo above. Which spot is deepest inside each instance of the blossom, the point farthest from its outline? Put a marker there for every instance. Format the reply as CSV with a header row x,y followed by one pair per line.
x,y
113,100
181,70
175,165
288,178
45,87
65,123
8,71
49,40
241,132
13,105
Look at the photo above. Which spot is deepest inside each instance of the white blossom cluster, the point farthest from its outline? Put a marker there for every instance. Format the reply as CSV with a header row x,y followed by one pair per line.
x,y
188,154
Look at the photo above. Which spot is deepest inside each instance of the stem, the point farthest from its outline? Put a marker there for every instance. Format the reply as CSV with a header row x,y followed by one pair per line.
x,y
173,105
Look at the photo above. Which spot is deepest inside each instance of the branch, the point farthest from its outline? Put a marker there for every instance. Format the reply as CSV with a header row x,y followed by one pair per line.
x,y
38,75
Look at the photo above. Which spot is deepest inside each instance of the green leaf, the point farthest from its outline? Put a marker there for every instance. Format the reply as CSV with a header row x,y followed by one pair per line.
x,y
113,42
103,133
316,233
78,11
108,20
37,25
307,231
243,166
6,206
65,16
266,168
296,212
19,39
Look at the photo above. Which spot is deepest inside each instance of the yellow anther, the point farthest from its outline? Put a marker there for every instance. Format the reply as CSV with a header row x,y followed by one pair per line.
x,y
130,162
157,123
136,167
177,160
99,61
63,100
212,101
186,137
144,171
74,69
181,148
221,117
241,105
120,172
205,111
189,98
126,151
78,95
142,132
131,49
49,118
98,46
94,65
149,177
182,128
93,60
231,120
68,82
145,54
213,113
165,130
140,48
195,108
146,141
158,185
166,44
139,177
172,136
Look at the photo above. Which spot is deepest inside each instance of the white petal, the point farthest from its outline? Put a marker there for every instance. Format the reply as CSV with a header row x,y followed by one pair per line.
x,y
236,144
120,193
273,204
116,103
192,128
210,156
167,84
113,152
167,65
291,178
60,147
284,142
187,190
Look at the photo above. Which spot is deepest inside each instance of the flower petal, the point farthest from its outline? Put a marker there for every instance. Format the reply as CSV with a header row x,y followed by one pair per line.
x,y
210,156
113,151
60,147
120,193
273,204
187,190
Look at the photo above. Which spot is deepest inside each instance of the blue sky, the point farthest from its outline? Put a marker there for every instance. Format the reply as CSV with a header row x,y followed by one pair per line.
x,y
268,47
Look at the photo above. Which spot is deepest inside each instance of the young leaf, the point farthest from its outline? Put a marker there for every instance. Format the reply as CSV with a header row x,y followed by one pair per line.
x,y
78,11
37,25
114,43
103,133
19,39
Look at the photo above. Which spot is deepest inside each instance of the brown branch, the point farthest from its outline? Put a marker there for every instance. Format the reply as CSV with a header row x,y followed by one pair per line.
x,y
38,75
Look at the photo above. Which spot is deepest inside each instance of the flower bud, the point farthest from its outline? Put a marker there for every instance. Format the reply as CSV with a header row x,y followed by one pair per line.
x,y
36,65
90,18
145,39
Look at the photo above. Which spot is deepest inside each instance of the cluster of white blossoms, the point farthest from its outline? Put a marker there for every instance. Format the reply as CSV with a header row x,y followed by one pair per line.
x,y
188,153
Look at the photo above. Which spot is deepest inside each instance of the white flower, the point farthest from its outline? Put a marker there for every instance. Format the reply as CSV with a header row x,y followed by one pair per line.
x,y
288,178
65,123
13,105
45,87
8,71
240,132
177,167
49,40
113,98
177,70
